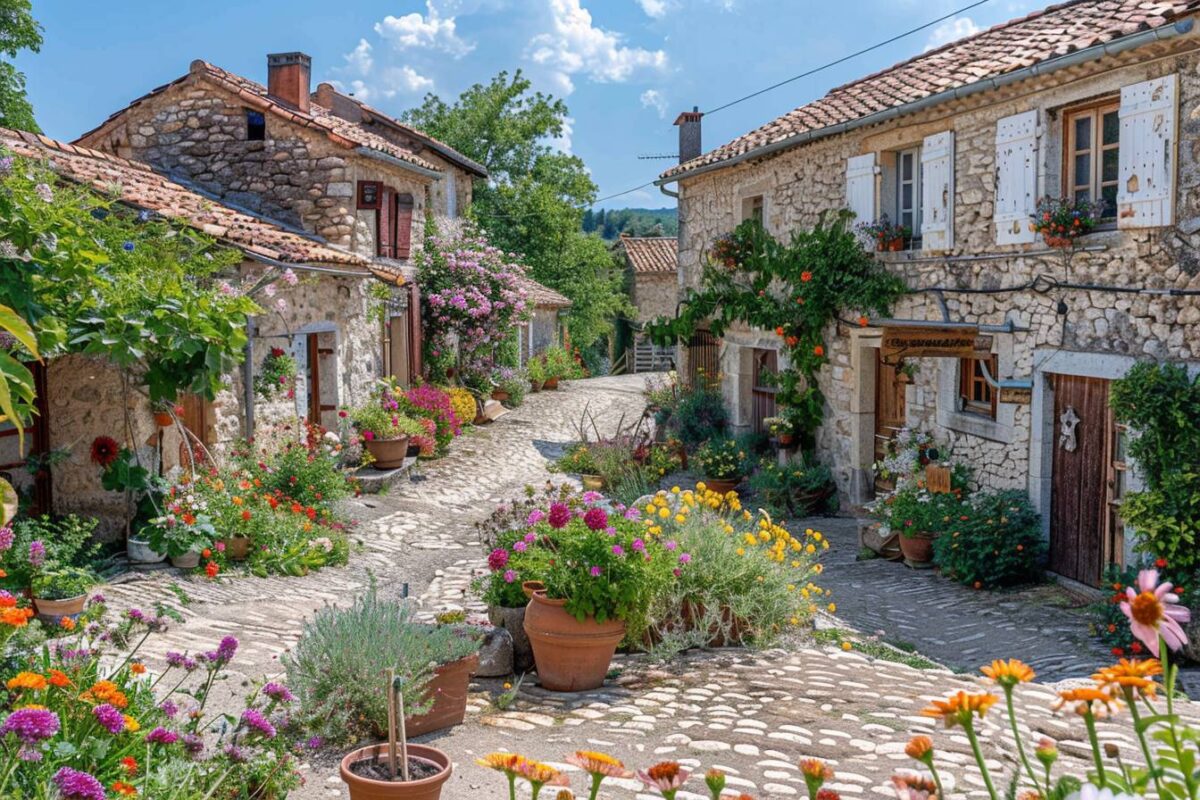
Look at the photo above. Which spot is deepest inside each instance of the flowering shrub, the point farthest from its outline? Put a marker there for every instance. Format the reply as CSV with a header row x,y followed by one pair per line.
x,y
473,298
380,417
1063,220
462,402
793,490
434,404
721,459
277,374
995,540
912,510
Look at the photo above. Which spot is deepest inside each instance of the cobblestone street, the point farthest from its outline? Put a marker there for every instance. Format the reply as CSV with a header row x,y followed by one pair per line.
x,y
754,714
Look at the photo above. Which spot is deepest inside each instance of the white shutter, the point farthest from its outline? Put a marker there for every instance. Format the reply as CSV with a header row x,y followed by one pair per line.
x,y
860,186
1016,178
299,348
1146,187
937,192
451,195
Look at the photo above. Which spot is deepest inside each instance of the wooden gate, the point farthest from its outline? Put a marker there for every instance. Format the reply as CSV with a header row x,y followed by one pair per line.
x,y
1081,527
890,409
702,359
766,367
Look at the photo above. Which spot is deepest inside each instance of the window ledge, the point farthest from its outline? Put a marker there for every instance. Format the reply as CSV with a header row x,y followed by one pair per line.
x,y
976,425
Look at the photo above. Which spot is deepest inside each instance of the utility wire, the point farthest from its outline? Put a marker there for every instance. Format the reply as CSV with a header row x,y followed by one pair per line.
x,y
845,58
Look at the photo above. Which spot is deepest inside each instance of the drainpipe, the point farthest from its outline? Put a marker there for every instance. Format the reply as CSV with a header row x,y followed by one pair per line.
x,y
248,378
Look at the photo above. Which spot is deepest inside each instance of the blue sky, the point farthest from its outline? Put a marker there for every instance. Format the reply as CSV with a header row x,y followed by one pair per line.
x,y
625,67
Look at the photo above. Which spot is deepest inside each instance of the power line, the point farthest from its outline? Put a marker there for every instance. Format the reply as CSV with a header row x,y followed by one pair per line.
x,y
815,70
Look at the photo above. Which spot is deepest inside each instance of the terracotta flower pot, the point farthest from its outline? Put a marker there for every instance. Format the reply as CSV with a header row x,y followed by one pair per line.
x,y
571,656
917,549
237,547
896,245
1058,242
139,552
388,453
163,419
513,621
500,395
189,560
535,386
787,439
593,482
448,688
722,485
551,384
424,789
51,611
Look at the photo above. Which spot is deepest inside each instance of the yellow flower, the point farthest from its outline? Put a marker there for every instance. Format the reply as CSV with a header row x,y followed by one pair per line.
x,y
832,608
960,707
664,512
818,568
815,534
741,551
680,518
1008,673
1133,675
701,486
650,508
131,724
674,490
810,549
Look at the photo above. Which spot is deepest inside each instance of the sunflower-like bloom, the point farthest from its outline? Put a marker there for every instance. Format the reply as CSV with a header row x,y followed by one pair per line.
x,y
28,680
959,708
1134,675
1008,673
502,762
919,748
601,764
914,787
539,774
816,769
665,777
1153,610
1088,700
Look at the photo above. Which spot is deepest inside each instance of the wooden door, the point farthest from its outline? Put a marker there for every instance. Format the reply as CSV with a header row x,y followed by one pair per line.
x,y
1081,539
890,410
766,366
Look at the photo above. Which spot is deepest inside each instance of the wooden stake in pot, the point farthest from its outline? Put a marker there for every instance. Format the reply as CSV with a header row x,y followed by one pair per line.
x,y
396,720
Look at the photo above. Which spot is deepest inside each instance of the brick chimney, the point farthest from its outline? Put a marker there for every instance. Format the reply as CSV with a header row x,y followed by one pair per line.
x,y
288,78
689,134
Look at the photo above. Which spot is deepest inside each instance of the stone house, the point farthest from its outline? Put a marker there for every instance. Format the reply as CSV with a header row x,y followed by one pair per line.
x,y
652,274
320,304
1084,100
545,328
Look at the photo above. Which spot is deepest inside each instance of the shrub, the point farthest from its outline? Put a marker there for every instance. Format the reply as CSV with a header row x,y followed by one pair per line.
x,y
434,404
912,509
63,583
536,369
561,364
578,459
721,459
793,490
513,381
700,415
996,540
62,542
337,666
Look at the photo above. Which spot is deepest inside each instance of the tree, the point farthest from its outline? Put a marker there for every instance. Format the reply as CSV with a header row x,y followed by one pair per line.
x,y
533,203
18,31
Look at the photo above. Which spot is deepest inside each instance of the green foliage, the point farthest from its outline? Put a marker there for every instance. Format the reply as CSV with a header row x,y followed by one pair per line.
x,y
794,490
68,541
698,414
578,459
277,374
560,364
62,583
995,540
913,510
611,223
798,289
1161,404
18,31
532,202
536,369
16,381
722,459
338,667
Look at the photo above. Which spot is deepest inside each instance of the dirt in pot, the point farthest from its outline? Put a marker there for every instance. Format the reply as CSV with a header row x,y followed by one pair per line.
x,y
377,770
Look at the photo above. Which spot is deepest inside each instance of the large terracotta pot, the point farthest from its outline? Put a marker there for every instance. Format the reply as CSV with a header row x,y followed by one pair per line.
x,y
593,482
388,453
571,656
513,621
51,611
139,552
500,395
917,549
722,485
237,547
189,560
367,789
448,688
1058,242
551,384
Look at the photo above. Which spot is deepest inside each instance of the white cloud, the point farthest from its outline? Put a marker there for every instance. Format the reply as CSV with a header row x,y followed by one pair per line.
x,y
405,79
653,98
573,45
355,87
951,30
654,8
430,31
563,140
358,60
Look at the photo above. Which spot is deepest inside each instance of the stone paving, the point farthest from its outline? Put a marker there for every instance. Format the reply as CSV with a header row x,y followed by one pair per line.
x,y
753,714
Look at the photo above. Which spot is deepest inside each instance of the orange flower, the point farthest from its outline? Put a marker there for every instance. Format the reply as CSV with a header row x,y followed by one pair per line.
x,y
66,623
959,708
1088,701
137,668
502,762
124,789
540,774
815,769
211,569
919,748
8,601
1008,673
206,553
27,680
863,322
819,351
246,516
16,617
131,724
1135,676
779,330
189,519
130,765
791,341
594,764
59,678
106,692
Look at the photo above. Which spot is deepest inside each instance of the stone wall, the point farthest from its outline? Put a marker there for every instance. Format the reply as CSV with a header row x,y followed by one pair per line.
x,y
798,184
196,130
654,294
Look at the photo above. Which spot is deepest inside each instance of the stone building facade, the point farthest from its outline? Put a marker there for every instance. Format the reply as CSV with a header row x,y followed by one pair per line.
x,y
652,274
1111,109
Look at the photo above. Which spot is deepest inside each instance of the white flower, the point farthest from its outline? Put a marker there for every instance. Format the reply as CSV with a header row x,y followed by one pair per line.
x,y
1090,792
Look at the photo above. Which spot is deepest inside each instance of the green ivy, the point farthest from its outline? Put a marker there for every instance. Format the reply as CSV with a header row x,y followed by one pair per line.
x,y
797,289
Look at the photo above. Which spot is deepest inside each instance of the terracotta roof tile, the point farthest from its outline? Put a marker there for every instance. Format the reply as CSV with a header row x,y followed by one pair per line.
x,y
652,254
1053,31
542,296
138,185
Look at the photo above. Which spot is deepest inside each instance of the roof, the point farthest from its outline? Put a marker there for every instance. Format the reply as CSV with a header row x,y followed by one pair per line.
x,y
1043,35
340,131
652,254
542,296
371,114
138,185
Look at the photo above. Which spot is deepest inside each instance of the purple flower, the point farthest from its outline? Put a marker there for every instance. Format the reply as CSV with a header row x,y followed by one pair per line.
x,y
224,652
31,725
193,744
670,544
618,550
252,718
530,538
314,743
278,692
136,615
235,754
509,576
560,515
638,546
596,519
161,735
497,559
632,513
590,497
109,718
685,558
520,546
535,516
75,785
596,572
6,538
37,554
98,599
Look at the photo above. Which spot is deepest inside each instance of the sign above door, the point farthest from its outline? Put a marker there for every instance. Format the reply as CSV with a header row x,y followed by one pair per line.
x,y
929,341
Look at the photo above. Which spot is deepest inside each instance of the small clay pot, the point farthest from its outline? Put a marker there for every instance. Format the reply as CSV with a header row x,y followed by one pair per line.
x,y
189,560
571,656
551,384
51,611
917,549
722,485
1057,242
388,453
500,395
593,482
425,789
163,419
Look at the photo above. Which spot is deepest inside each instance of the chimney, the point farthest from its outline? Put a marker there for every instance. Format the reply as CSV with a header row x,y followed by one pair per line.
x,y
288,78
689,134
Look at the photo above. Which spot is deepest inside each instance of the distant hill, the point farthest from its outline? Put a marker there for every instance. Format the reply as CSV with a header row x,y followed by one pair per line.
x,y
611,223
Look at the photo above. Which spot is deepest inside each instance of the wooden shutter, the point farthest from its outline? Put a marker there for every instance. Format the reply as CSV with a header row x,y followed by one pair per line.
x,y
416,344
403,223
860,186
1016,178
1146,186
937,191
385,228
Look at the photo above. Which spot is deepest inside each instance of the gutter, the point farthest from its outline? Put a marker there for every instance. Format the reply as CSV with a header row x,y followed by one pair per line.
x,y
1089,54
397,162
271,262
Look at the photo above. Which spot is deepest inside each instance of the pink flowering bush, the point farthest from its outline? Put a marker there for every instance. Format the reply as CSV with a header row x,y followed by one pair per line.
x,y
473,298
432,403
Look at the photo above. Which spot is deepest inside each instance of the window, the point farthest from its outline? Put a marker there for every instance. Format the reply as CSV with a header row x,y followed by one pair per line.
x,y
256,126
908,190
1093,137
976,395
752,208
394,224
368,194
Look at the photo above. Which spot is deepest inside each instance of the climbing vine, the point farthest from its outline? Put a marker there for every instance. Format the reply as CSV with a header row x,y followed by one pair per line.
x,y
797,289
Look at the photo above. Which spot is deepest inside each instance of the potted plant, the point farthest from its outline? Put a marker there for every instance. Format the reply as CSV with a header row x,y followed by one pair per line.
x,y
165,415
142,490
559,366
888,236
537,373
580,460
61,591
722,461
1061,221
184,530
781,430
918,516
384,428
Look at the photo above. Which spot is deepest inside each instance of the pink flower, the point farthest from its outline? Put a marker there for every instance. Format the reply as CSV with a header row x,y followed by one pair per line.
x,y
368,436
560,515
1153,611
618,550
596,519
666,778
510,576
685,558
595,572
535,516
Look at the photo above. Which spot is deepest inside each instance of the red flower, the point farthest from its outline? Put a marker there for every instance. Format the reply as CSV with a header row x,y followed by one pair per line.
x,y
188,519
1161,563
206,553
211,569
246,516
791,341
130,764
819,351
276,352
1118,651
105,450
863,322
805,276
779,331
1136,647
